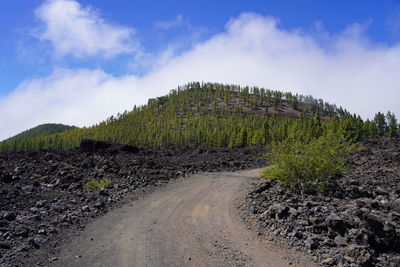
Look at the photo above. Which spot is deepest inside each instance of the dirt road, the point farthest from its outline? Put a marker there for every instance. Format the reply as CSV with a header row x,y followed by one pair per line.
x,y
189,222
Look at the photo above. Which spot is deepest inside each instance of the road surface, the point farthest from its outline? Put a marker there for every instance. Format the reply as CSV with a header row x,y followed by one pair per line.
x,y
189,222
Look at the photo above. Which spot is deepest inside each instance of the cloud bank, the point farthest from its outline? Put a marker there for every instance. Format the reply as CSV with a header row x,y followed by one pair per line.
x,y
345,69
81,32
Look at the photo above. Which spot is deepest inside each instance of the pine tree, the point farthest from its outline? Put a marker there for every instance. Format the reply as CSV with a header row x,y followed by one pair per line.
x,y
392,128
242,137
192,115
380,122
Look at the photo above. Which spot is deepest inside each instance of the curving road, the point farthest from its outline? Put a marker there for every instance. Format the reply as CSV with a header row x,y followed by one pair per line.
x,y
189,222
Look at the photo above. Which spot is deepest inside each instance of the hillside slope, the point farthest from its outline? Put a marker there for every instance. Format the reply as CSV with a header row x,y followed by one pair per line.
x,y
212,115
43,129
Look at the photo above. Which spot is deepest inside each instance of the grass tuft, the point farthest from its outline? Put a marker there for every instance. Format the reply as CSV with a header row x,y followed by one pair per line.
x,y
97,184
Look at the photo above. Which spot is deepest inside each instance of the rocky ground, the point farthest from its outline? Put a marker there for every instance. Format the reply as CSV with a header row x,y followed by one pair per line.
x,y
355,223
42,200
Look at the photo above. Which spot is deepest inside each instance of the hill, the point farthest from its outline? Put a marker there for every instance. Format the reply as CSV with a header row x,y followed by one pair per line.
x,y
213,115
43,129
353,221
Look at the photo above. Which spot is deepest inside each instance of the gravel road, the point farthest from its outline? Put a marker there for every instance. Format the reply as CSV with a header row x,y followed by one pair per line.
x,y
189,222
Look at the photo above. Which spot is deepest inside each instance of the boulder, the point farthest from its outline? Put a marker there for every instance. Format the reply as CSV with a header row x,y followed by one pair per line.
x,y
6,177
88,145
9,216
277,211
336,223
4,245
358,254
312,243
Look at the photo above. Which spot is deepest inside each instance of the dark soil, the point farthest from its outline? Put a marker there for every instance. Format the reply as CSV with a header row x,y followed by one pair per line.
x,y
42,200
355,223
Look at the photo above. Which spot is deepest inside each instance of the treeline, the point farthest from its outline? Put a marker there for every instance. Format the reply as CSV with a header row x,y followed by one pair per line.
x,y
215,115
43,129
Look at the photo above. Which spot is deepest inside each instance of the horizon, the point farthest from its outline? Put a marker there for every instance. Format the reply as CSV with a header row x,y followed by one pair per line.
x,y
79,62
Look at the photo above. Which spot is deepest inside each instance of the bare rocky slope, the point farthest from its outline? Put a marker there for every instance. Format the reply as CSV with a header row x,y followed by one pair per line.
x,y
43,200
355,223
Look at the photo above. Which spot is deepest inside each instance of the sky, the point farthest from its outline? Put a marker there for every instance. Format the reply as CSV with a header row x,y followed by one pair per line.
x,y
78,62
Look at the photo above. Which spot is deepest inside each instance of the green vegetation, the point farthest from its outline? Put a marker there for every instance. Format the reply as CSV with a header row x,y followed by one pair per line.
x,y
306,166
41,130
95,184
301,131
216,115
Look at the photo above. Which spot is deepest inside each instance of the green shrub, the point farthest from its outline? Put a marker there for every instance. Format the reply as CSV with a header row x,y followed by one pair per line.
x,y
95,184
306,167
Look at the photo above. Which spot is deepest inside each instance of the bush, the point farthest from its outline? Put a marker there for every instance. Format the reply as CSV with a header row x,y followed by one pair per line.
x,y
95,184
306,167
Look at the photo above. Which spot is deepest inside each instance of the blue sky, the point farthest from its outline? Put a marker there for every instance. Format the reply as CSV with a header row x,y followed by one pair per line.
x,y
210,17
55,54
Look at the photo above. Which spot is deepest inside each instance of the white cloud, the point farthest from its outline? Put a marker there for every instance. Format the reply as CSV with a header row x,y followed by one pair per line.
x,y
74,97
170,23
81,32
351,71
